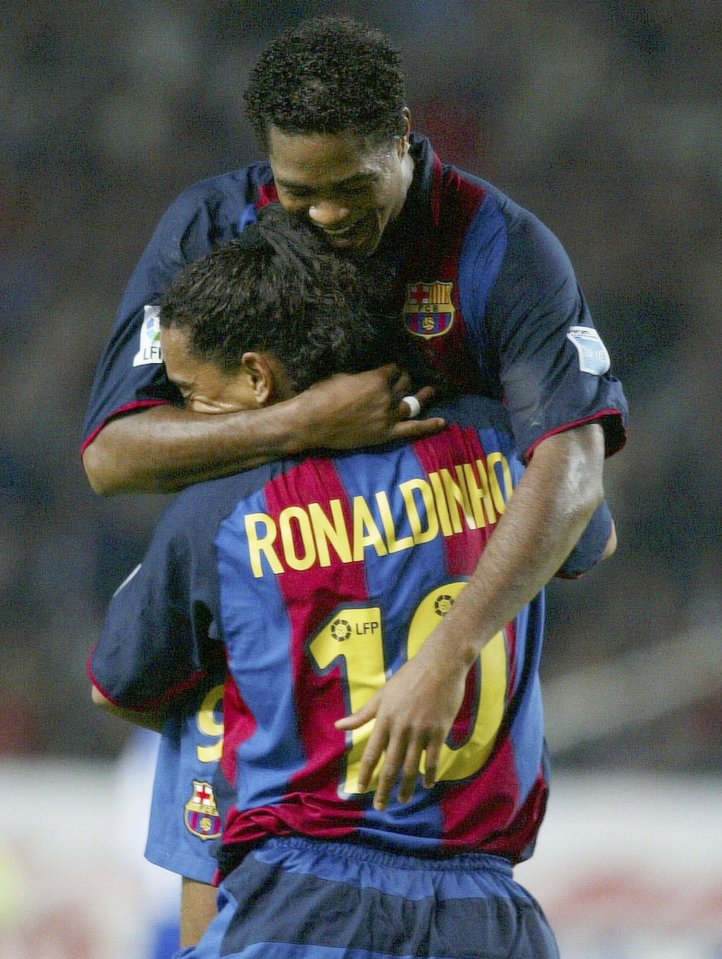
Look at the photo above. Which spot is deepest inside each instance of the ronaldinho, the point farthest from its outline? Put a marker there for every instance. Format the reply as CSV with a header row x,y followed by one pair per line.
x,y
473,496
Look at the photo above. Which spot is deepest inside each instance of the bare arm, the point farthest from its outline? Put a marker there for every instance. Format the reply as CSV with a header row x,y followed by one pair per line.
x,y
198,908
163,449
546,515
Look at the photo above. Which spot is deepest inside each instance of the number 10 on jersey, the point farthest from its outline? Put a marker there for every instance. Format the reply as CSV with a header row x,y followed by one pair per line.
x,y
353,640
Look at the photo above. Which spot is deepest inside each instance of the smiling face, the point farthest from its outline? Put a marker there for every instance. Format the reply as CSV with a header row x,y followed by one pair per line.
x,y
344,186
206,388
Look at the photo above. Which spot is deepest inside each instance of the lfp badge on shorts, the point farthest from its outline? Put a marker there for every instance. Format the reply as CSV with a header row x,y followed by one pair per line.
x,y
201,813
429,310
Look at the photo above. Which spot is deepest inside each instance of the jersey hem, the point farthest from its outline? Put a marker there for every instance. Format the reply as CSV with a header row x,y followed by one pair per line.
x,y
615,435
181,687
128,408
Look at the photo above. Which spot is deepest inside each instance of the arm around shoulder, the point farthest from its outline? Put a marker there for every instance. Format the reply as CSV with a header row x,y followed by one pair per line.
x,y
163,449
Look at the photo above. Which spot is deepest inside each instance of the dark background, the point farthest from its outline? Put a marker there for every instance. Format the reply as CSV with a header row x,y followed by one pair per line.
x,y
601,117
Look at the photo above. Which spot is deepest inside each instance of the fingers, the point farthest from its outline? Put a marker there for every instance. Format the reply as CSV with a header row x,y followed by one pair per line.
x,y
411,404
416,429
389,774
410,772
433,755
425,394
369,761
401,764
361,716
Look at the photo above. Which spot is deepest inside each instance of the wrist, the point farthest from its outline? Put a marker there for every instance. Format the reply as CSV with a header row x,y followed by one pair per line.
x,y
452,647
294,427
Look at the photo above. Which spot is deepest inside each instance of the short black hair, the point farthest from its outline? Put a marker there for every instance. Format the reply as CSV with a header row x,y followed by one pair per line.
x,y
279,290
328,75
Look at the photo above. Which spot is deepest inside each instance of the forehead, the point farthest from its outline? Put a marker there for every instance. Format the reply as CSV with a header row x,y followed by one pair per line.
x,y
176,355
321,159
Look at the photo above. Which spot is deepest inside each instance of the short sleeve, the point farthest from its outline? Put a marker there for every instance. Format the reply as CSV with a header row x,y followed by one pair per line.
x,y
591,545
554,368
131,374
156,640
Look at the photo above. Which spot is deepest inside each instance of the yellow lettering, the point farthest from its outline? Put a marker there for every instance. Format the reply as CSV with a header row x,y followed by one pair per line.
x,y
303,524
457,499
478,486
331,531
387,520
259,545
420,534
492,461
365,531
441,506
210,722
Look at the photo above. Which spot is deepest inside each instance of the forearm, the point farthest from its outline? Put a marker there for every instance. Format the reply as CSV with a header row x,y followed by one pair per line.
x,y
164,449
545,517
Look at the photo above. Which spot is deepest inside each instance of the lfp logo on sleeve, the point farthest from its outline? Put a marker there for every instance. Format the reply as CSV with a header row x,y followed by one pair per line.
x,y
593,356
149,350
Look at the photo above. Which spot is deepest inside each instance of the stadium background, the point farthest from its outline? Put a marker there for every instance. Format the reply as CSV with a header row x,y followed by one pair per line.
x,y
601,117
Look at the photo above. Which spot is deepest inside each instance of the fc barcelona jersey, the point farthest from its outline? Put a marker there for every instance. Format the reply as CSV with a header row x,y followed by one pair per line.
x,y
320,578
484,289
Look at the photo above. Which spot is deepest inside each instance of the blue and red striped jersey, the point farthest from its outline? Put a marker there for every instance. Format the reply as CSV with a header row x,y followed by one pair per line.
x,y
319,578
484,288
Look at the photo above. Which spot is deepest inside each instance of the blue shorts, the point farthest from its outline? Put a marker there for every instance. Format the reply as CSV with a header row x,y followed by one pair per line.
x,y
298,898
185,818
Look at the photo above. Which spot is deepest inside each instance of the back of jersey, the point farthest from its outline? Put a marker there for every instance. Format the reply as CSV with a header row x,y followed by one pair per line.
x,y
331,576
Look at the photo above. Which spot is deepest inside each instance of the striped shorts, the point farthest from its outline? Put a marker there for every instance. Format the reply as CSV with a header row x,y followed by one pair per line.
x,y
299,898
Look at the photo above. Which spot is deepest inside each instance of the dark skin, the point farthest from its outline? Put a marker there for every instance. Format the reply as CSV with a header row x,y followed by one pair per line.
x,y
163,449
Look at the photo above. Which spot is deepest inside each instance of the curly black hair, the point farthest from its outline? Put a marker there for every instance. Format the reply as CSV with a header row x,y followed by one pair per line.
x,y
328,75
279,290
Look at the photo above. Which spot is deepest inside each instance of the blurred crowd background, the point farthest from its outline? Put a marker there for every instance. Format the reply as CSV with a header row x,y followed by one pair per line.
x,y
601,117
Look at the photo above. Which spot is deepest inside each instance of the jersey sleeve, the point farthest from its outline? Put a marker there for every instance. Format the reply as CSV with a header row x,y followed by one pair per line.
x,y
590,548
156,641
553,366
131,374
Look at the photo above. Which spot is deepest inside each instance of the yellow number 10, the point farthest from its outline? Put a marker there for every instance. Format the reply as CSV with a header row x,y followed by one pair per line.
x,y
355,636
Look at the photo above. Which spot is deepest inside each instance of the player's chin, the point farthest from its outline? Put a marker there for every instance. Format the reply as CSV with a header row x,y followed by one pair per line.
x,y
358,243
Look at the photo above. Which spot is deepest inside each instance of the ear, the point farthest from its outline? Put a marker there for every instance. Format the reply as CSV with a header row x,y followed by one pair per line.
x,y
258,369
407,129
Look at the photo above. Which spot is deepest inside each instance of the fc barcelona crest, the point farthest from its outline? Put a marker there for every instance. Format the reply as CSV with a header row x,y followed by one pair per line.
x,y
201,813
429,310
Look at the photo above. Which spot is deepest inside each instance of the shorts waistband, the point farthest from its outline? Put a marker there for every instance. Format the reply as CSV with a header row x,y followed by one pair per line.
x,y
362,852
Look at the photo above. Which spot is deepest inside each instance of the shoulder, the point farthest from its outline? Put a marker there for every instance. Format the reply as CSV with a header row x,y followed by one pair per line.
x,y
203,506
221,198
206,214
476,411
527,253
194,516
245,182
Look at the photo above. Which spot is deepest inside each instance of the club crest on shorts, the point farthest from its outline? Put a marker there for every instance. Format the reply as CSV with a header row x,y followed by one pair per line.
x,y
201,813
429,310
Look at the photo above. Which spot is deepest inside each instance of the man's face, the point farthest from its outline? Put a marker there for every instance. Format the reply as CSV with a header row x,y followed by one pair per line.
x,y
208,389
343,186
